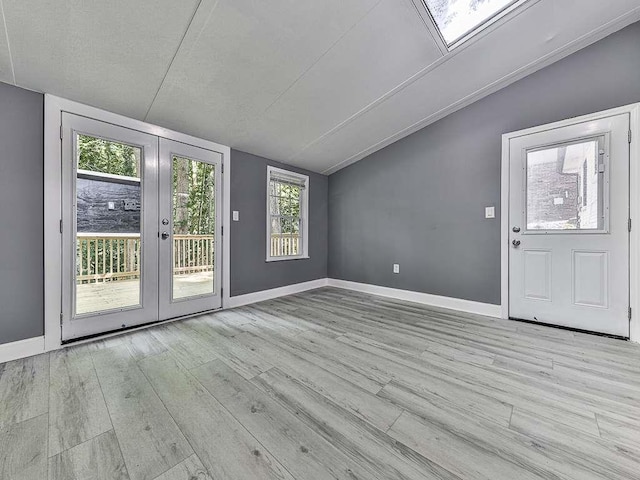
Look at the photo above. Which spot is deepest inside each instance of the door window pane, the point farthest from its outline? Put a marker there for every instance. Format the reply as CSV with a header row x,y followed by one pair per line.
x,y
565,187
193,205
108,215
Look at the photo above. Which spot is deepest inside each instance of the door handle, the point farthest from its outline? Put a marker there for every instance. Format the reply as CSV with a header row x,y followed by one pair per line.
x,y
516,229
515,243
164,235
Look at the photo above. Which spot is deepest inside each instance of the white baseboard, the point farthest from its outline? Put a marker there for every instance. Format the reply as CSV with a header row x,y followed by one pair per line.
x,y
263,295
21,348
467,306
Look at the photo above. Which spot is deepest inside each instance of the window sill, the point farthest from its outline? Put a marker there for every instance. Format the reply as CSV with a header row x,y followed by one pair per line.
x,y
283,259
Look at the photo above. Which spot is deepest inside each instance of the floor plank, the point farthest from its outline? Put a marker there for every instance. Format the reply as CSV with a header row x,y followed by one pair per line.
x,y
151,441
95,459
24,389
364,443
225,447
77,408
302,451
23,450
454,452
189,469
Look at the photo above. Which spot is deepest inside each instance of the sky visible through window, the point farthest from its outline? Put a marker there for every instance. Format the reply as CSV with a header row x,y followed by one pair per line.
x,y
455,18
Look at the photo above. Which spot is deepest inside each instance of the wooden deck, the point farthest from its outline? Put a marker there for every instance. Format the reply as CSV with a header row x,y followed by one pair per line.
x,y
93,297
327,385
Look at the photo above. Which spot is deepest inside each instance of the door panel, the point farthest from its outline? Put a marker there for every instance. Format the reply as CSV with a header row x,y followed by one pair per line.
x,y
590,278
537,274
190,226
568,214
109,243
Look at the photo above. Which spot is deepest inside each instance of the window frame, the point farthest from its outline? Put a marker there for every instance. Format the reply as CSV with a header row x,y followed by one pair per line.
x,y
603,141
478,29
304,215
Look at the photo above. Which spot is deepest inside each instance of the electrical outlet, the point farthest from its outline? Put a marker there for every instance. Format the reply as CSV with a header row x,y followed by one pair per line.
x,y
236,216
396,268
111,205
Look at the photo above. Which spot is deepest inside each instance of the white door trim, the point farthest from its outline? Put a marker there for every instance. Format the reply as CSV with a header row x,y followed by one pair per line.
x,y
634,242
53,108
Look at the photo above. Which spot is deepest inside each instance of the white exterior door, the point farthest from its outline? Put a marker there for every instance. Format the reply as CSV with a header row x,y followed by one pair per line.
x,y
569,226
109,239
190,229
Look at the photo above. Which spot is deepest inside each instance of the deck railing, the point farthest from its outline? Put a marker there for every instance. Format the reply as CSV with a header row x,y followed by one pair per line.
x,y
285,245
110,257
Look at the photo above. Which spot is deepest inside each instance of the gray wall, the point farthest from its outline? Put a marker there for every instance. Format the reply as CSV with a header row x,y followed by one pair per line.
x,y
21,214
420,201
249,270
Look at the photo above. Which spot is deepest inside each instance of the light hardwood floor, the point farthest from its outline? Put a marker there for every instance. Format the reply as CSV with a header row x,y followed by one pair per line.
x,y
327,384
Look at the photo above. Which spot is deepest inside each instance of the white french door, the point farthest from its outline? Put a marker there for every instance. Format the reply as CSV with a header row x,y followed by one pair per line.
x,y
190,229
140,228
569,231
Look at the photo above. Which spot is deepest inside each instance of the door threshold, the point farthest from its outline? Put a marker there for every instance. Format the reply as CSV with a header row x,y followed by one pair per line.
x,y
571,329
133,328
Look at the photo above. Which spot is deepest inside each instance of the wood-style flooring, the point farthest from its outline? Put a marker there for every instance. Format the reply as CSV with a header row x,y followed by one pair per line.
x,y
327,384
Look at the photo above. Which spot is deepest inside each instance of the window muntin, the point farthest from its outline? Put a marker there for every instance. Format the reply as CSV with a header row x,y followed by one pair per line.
x,y
565,187
456,19
286,214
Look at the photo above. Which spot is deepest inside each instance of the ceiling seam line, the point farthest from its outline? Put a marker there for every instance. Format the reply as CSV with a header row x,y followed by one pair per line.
x,y
398,88
485,91
173,59
441,47
321,56
6,34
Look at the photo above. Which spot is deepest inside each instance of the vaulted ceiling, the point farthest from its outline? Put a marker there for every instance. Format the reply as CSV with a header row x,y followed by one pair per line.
x,y
314,84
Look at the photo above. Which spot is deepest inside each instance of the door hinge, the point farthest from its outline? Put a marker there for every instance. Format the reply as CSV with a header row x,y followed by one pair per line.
x,y
61,132
222,230
222,168
629,224
61,317
629,313
60,225
629,135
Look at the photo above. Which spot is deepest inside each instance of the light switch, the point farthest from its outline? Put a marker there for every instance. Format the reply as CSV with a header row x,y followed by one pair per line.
x,y
396,268
489,212
236,216
111,205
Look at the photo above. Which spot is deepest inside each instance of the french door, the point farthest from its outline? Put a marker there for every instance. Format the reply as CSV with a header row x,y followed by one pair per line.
x,y
569,230
140,228
190,229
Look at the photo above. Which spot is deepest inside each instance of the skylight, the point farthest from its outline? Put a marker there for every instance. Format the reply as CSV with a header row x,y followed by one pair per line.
x,y
458,18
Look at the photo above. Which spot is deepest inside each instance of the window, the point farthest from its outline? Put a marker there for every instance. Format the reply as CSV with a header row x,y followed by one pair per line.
x,y
458,20
287,215
565,187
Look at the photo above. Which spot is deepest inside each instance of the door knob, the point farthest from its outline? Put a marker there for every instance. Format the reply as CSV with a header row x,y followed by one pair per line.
x,y
515,243
164,235
516,229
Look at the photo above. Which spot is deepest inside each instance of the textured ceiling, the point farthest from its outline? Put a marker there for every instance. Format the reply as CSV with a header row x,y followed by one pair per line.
x,y
314,84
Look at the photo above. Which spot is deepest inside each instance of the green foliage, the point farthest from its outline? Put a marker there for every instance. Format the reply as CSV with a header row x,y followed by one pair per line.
x,y
193,197
284,207
104,156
